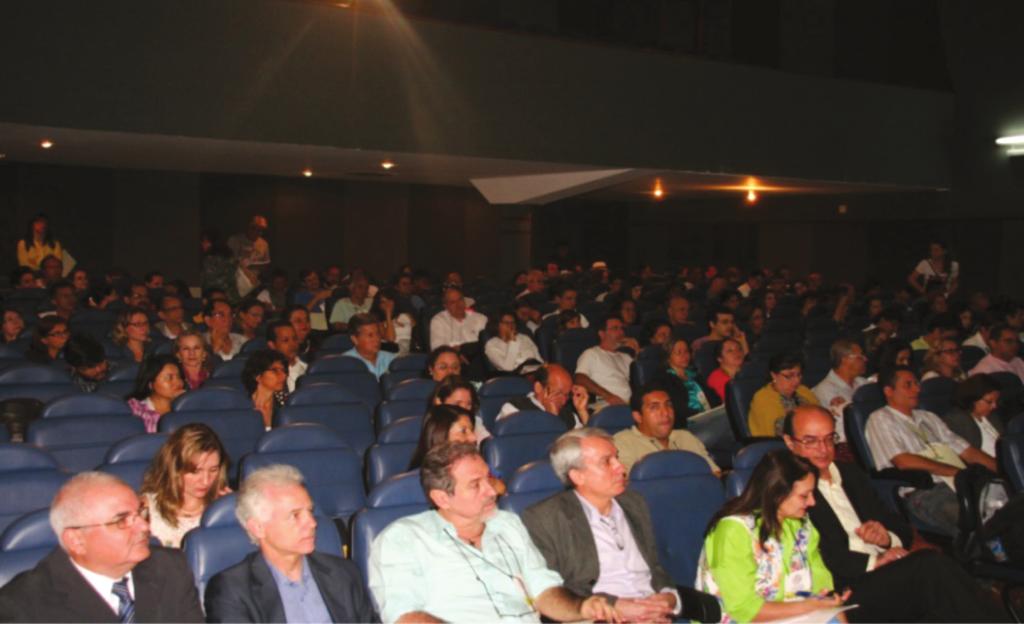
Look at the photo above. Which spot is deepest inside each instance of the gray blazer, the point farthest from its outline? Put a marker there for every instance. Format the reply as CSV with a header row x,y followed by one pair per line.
x,y
560,530
961,423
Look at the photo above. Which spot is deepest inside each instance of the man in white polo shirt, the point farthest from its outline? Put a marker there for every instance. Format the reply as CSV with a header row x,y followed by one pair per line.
x,y
604,370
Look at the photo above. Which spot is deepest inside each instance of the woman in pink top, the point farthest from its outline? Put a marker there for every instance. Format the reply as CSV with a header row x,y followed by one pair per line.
x,y
729,354
159,382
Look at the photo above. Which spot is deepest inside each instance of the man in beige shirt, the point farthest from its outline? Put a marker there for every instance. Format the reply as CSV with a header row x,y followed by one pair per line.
x,y
654,416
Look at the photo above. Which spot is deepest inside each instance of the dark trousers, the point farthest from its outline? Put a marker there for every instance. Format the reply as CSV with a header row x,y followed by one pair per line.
x,y
925,586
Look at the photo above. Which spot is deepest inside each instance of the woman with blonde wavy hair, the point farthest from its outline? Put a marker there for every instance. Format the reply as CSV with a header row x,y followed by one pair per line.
x,y
131,331
188,473
194,354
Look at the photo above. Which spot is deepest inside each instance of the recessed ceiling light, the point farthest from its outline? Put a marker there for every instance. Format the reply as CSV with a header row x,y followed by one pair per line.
x,y
1016,139
658,191
46,144
751,196
307,172
387,164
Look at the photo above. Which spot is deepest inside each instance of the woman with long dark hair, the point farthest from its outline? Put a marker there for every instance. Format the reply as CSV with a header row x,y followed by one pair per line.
x,y
159,382
760,555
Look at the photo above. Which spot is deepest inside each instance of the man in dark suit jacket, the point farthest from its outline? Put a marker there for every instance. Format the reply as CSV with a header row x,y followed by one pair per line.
x,y
104,543
599,514
862,541
285,581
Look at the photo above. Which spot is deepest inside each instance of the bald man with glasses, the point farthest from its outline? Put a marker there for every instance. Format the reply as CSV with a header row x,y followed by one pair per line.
x,y
104,569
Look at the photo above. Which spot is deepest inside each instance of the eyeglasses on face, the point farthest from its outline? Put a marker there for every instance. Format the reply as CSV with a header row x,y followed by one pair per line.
x,y
829,440
121,521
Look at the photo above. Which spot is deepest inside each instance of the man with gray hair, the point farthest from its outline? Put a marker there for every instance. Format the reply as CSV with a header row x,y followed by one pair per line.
x,y
104,570
285,580
465,561
835,391
600,537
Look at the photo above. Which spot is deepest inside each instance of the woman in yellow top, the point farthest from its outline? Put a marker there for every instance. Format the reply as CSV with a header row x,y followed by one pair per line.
x,y
38,243
761,557
783,393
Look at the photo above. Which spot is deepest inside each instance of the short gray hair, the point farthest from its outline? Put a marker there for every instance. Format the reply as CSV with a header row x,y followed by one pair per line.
x,y
252,501
840,349
567,451
73,499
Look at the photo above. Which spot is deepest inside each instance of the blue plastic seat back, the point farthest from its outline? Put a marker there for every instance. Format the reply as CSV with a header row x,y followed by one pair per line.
x,y
970,356
143,447
336,363
86,405
388,412
124,371
220,542
390,379
739,393
352,421
817,364
387,460
402,431
530,484
855,420
1016,424
24,543
362,384
571,344
937,395
412,390
642,372
704,358
81,442
34,374
519,439
870,395
131,472
744,462
238,429
399,496
1010,450
613,419
415,362
212,398
496,392
322,393
232,369
337,343
682,495
29,478
254,344
9,353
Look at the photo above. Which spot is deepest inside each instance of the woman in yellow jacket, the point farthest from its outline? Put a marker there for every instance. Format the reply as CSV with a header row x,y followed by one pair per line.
x,y
38,243
779,396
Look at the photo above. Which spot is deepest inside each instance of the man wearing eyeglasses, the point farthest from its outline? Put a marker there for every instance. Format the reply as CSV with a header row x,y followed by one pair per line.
x,y
104,569
862,541
600,537
465,561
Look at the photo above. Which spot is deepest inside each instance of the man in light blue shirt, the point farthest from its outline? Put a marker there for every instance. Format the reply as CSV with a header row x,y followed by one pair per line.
x,y
365,332
465,560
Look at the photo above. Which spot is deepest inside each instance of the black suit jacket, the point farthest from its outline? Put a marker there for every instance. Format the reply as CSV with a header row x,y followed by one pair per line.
x,y
846,565
559,528
246,592
54,591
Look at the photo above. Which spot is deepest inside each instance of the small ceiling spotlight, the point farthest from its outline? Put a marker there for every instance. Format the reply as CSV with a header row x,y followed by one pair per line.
x,y
307,172
46,144
658,191
387,165
751,196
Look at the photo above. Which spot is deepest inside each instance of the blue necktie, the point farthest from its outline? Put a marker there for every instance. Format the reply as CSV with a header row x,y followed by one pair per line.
x,y
126,611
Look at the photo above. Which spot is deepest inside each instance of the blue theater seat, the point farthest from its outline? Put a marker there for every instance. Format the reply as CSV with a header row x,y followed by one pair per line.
x,y
24,543
399,496
530,484
29,478
519,439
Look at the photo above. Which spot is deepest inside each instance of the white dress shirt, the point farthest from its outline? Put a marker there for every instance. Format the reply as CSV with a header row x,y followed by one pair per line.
x,y
104,586
833,386
507,356
446,330
836,497
296,370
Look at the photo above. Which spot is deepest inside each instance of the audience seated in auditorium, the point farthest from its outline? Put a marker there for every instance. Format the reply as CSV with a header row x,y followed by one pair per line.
x,y
63,299
655,418
882,330
137,296
893,352
131,332
13,325
406,296
456,326
275,295
938,327
249,318
1003,344
604,370
357,302
752,285
313,297
936,271
904,437
565,299
158,383
38,243
627,311
428,567
835,391
864,544
23,278
250,249
535,291
443,361
599,536
285,580
48,339
677,308
87,362
450,419
172,317
722,325
509,351
189,472
365,332
658,332
973,416
778,396
281,337
104,569
265,377
761,556
218,319
553,392
455,390
982,326
196,360
309,341
943,361
729,355
679,377
396,325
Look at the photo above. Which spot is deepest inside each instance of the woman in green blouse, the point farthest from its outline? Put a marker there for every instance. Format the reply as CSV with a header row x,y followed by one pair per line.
x,y
761,555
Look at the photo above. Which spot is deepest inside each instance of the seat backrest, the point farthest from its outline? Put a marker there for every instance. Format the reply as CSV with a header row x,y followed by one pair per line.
x,y
389,412
34,374
855,421
739,393
870,395
338,343
124,371
399,496
641,372
141,447
252,345
321,393
496,392
613,419
682,495
220,542
704,358
744,462
352,421
238,429
336,363
402,431
362,384
1010,450
24,543
521,438
81,442
416,362
937,394
29,478
529,484
412,390
86,405
212,398
970,356
571,344
386,460
232,369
